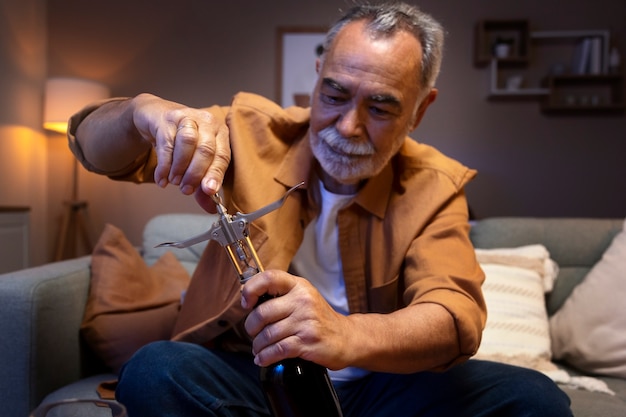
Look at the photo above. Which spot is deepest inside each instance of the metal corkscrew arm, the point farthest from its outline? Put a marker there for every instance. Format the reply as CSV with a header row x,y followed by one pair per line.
x,y
233,233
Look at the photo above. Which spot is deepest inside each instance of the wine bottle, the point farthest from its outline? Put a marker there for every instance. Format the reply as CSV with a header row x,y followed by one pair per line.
x,y
299,388
296,387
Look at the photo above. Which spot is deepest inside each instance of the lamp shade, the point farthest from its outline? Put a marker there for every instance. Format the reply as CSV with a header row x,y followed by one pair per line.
x,y
65,96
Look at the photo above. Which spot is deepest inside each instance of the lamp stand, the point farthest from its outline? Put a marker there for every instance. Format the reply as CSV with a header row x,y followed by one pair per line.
x,y
74,225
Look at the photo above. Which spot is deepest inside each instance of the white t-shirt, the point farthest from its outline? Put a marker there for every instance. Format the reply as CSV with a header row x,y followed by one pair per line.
x,y
319,261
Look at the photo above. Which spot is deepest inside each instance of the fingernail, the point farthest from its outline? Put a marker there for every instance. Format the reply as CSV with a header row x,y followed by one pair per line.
x,y
187,189
176,180
163,182
212,185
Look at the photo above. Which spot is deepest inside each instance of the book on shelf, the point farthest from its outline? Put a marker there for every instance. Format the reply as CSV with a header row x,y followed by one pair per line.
x,y
587,57
595,56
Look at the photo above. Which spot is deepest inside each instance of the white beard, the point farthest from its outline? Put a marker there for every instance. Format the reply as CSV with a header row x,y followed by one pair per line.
x,y
348,160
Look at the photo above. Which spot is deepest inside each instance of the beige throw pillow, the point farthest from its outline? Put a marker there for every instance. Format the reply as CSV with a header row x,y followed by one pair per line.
x,y
589,331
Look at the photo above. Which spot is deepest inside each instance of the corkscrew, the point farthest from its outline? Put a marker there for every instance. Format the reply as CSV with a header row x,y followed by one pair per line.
x,y
233,233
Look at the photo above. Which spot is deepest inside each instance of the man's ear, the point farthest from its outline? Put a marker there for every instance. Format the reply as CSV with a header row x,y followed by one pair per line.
x,y
421,110
318,65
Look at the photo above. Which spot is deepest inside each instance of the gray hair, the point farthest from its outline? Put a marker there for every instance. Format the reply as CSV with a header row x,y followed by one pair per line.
x,y
389,18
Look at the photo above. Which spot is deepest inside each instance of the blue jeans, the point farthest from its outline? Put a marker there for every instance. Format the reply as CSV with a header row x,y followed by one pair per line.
x,y
182,379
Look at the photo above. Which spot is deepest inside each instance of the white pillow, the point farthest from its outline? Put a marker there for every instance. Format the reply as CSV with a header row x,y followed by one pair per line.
x,y
589,331
517,330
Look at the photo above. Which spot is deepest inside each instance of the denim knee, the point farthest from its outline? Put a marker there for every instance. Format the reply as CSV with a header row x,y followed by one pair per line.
x,y
148,375
176,378
525,392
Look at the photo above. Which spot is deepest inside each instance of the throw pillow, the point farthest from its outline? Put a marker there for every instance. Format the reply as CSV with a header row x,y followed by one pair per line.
x,y
129,303
517,331
589,331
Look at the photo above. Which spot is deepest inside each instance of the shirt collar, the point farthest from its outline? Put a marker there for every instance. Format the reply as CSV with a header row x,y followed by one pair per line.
x,y
375,194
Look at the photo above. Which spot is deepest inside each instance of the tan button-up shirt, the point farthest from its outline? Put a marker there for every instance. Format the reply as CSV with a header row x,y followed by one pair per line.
x,y
403,239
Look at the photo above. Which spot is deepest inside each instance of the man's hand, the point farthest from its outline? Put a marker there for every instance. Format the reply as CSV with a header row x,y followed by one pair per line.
x,y
192,146
298,322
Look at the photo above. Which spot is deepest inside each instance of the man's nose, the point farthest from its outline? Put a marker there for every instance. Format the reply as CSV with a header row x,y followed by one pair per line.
x,y
350,123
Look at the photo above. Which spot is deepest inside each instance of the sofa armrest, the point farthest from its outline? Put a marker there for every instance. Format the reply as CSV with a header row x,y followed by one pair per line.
x,y
40,346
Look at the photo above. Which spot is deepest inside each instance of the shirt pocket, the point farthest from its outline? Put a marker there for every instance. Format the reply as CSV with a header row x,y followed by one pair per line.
x,y
385,298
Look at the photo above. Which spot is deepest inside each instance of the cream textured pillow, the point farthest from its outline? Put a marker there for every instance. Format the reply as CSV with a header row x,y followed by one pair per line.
x,y
589,331
517,330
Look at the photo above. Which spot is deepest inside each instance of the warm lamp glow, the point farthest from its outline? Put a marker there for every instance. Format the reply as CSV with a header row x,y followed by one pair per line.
x,y
65,96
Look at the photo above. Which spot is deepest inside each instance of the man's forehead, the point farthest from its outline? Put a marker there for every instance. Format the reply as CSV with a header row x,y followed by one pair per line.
x,y
356,42
356,58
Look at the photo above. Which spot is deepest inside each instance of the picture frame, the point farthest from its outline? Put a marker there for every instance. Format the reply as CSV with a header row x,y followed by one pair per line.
x,y
297,49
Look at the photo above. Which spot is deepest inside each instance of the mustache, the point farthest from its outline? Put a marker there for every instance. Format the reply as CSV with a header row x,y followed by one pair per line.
x,y
338,143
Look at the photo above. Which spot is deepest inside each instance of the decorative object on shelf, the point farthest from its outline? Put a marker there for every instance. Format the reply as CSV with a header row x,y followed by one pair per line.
x,y
503,47
514,82
615,61
64,97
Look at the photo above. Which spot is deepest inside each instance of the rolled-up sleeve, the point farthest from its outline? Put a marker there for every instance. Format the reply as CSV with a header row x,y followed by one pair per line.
x,y
441,268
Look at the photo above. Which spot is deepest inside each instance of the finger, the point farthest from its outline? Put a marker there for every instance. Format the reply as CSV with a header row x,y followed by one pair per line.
x,y
202,158
270,282
164,143
211,157
185,147
289,347
262,316
214,177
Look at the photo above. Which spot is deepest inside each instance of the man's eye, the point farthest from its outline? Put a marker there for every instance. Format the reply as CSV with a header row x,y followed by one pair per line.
x,y
379,111
328,99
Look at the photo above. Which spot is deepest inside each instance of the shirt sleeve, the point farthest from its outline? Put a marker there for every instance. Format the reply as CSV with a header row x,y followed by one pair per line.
x,y
441,268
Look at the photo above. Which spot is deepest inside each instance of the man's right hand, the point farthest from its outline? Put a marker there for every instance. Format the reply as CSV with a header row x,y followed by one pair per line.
x,y
192,146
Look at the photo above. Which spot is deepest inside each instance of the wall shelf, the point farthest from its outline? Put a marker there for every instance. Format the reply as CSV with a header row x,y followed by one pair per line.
x,y
567,70
584,93
498,90
488,32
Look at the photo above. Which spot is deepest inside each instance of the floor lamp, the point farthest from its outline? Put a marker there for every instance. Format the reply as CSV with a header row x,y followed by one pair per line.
x,y
65,96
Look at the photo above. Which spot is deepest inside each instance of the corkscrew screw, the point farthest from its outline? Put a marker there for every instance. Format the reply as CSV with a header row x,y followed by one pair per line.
x,y
233,233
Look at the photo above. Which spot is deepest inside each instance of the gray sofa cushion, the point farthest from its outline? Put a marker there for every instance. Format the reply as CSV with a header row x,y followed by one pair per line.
x,y
593,404
83,389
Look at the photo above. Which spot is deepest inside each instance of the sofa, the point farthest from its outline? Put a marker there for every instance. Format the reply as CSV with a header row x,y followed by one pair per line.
x,y
44,358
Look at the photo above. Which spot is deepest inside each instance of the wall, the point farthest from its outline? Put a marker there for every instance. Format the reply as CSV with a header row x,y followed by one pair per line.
x,y
23,146
202,52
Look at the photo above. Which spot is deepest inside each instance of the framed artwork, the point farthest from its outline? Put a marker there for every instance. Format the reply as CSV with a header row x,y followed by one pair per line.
x,y
297,49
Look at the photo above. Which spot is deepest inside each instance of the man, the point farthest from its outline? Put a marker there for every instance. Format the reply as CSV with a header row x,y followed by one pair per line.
x,y
383,286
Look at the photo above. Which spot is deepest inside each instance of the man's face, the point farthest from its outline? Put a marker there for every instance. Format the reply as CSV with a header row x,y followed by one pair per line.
x,y
365,102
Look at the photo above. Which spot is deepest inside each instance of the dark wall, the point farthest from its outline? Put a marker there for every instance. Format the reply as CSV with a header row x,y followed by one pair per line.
x,y
202,52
